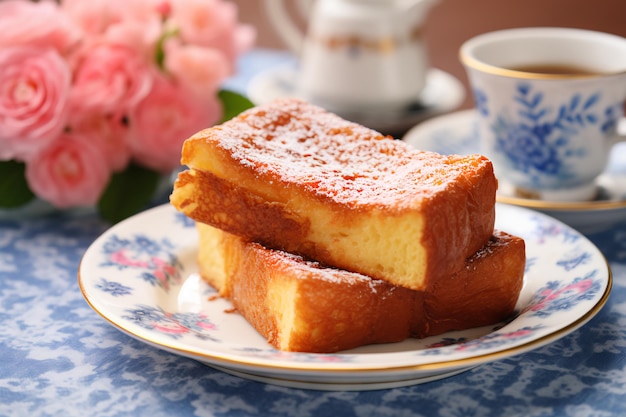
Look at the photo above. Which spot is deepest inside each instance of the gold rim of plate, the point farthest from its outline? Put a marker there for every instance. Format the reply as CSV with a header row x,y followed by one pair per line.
x,y
563,206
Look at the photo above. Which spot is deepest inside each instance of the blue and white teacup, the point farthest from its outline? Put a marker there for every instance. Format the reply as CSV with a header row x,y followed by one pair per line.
x,y
548,101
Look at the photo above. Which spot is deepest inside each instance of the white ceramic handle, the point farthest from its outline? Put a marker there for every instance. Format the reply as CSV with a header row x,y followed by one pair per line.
x,y
283,23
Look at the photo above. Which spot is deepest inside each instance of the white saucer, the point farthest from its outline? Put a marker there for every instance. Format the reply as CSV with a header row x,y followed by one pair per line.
x,y
144,280
442,93
457,133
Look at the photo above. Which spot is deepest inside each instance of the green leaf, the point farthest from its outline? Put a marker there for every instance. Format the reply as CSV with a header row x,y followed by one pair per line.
x,y
159,52
233,104
128,192
14,191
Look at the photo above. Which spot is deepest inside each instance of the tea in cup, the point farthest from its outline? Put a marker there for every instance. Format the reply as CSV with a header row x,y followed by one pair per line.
x,y
548,104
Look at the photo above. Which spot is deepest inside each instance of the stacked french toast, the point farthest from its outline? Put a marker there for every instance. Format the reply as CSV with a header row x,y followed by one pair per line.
x,y
326,235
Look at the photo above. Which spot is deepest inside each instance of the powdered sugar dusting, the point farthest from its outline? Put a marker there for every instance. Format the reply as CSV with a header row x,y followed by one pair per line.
x,y
293,142
498,240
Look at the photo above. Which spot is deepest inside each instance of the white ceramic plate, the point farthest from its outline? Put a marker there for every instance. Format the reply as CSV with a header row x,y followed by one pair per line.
x,y
141,276
442,93
457,133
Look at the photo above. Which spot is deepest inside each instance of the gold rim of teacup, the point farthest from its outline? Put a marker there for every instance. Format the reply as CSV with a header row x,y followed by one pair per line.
x,y
478,65
468,59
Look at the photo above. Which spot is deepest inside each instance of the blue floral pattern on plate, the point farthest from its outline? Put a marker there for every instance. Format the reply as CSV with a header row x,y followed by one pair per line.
x,y
145,281
170,324
153,259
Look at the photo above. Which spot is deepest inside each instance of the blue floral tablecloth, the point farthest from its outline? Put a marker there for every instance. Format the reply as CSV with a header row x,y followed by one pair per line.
x,y
60,358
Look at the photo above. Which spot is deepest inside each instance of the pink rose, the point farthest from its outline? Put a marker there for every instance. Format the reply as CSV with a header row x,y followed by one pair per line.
x,y
34,88
142,37
212,23
70,172
164,119
95,17
244,38
40,24
133,23
198,68
109,78
109,132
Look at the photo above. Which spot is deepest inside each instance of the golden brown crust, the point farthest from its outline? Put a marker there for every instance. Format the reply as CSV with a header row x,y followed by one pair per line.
x,y
221,203
484,291
212,200
299,179
300,305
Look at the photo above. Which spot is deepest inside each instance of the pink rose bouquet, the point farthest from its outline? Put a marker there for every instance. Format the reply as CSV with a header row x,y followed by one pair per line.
x,y
97,97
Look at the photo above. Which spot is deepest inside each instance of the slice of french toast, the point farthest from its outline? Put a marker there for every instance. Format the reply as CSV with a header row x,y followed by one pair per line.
x,y
294,177
300,305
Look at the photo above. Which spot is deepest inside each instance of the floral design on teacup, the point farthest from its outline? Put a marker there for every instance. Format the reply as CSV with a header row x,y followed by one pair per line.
x,y
480,98
538,140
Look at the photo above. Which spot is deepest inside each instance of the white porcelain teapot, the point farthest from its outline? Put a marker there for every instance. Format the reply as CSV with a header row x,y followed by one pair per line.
x,y
357,54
